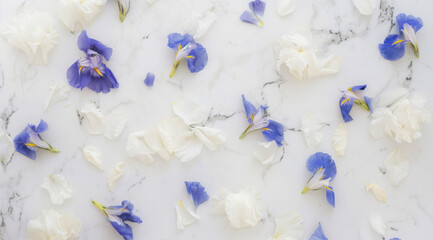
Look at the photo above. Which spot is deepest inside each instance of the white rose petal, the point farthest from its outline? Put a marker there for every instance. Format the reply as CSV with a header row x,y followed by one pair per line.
x,y
33,33
95,119
397,166
58,188
199,23
266,152
185,216
285,7
57,93
172,132
77,14
339,140
189,111
114,176
289,226
241,208
94,156
6,147
115,122
188,148
378,192
210,137
53,225
365,7
311,125
377,224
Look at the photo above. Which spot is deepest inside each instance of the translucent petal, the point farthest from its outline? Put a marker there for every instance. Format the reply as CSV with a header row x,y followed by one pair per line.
x,y
115,122
114,175
285,7
365,7
289,226
93,155
377,224
339,140
58,188
58,92
397,166
378,192
190,111
185,216
266,152
95,119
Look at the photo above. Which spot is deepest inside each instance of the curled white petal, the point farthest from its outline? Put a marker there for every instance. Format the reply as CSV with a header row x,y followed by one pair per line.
x,y
289,226
145,144
115,122
93,155
311,126
397,166
365,7
377,224
77,14
378,192
6,147
185,216
190,111
53,225
58,92
210,137
114,175
285,7
58,188
189,148
172,132
266,152
241,208
339,140
94,117
199,23
33,33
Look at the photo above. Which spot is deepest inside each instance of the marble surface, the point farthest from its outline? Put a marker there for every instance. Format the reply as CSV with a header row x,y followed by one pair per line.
x,y
241,61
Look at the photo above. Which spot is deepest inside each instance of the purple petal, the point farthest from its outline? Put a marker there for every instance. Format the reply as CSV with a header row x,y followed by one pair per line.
x,y
85,43
150,78
258,7
199,61
249,17
391,51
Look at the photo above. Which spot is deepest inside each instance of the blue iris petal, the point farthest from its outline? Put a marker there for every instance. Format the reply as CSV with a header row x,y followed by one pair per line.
x,y
199,60
250,109
150,78
322,160
395,239
258,7
391,51
357,88
76,79
346,105
415,23
42,127
274,132
249,17
123,212
123,229
330,195
174,39
197,192
318,234
103,83
20,140
368,102
85,43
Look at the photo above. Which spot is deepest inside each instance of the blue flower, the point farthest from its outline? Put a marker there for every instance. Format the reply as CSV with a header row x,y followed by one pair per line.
x,y
273,131
393,48
318,234
351,97
186,48
395,239
257,10
197,192
29,140
118,215
324,170
150,78
91,72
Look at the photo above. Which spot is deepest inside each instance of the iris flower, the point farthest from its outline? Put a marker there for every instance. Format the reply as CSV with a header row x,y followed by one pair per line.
x,y
197,192
318,234
257,8
29,140
324,170
350,97
91,72
273,131
123,11
118,215
186,48
393,47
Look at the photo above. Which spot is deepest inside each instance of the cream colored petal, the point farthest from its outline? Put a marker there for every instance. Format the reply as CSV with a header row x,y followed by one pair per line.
x,y
138,148
210,137
53,225
397,166
199,23
339,140
6,147
365,7
58,188
115,122
71,225
94,118
391,96
93,155
114,175
266,152
188,148
189,111
289,226
378,192
77,14
242,209
172,131
185,216
377,224
285,7
58,92
311,126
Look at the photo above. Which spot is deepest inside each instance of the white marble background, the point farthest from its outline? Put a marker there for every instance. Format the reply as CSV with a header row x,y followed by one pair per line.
x,y
241,61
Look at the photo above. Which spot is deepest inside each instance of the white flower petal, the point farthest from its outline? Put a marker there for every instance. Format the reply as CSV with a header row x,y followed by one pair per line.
x,y
185,216
210,137
365,7
93,155
377,224
266,152
199,23
6,147
95,119
57,93
53,225
114,176
189,148
339,140
397,166
378,192
392,96
33,33
190,111
77,14
311,125
144,144
172,132
285,7
289,226
115,122
58,188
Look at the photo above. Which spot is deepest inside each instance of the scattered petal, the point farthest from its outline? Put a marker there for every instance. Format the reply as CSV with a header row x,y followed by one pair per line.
x,y
311,125
289,226
57,93
377,224
339,140
197,192
318,234
115,122
397,167
210,137
95,119
150,78
144,144
173,131
188,148
58,188
94,156
190,111
365,7
53,225
77,14
378,192
6,147
185,216
199,23
285,7
266,152
114,176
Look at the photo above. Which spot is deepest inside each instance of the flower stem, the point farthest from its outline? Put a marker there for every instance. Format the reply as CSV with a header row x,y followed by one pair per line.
x,y
246,131
97,204
173,70
362,104
305,190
